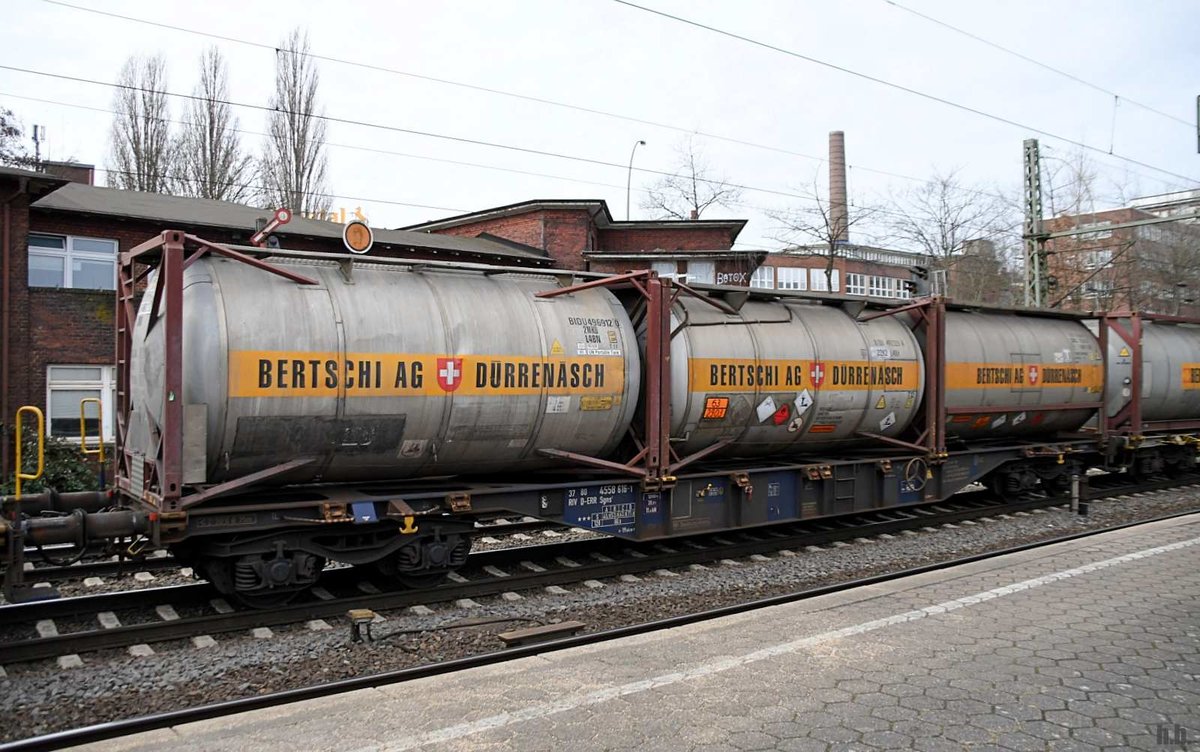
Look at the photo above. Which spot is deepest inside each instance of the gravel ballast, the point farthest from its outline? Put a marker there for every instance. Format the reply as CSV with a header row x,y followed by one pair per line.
x,y
110,685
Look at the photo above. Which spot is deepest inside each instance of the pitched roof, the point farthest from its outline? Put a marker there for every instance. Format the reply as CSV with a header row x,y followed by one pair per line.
x,y
189,212
597,208
40,182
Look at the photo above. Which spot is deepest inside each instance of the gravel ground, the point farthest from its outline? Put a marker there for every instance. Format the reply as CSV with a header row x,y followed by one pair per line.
x,y
44,698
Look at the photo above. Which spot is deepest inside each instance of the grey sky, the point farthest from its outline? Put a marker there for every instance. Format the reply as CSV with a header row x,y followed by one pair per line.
x,y
603,55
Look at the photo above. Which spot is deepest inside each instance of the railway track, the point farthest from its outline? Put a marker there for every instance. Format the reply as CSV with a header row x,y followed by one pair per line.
x,y
101,564
154,615
165,719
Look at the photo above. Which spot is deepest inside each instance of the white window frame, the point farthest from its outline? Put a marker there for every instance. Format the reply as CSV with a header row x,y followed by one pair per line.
x,y
819,281
106,386
666,269
791,278
69,253
856,284
763,278
701,272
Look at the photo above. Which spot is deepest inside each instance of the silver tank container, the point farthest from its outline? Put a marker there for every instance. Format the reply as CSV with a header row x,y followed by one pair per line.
x,y
1170,371
1009,361
384,371
788,377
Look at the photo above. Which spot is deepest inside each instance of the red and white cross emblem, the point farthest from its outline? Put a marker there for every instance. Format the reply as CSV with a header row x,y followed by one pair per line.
x,y
449,371
1033,374
817,374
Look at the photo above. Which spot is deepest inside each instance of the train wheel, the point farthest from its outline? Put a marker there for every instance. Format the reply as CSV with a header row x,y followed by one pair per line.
x,y
426,561
260,581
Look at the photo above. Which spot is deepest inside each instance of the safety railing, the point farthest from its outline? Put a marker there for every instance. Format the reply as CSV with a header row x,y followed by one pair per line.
x,y
41,446
98,452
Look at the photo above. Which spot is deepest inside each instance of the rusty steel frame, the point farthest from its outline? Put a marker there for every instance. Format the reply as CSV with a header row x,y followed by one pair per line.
x,y
927,314
161,470
652,463
1128,420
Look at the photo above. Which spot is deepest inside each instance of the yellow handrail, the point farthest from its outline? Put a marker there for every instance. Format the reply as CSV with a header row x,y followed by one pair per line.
x,y
99,450
41,434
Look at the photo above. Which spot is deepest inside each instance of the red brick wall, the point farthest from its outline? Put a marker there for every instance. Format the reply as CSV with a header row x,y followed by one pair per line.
x,y
563,234
690,239
566,234
523,228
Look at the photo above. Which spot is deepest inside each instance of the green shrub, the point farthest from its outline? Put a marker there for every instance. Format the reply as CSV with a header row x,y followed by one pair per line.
x,y
66,468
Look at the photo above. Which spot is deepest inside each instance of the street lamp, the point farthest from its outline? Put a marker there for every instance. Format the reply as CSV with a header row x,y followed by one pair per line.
x,y
629,179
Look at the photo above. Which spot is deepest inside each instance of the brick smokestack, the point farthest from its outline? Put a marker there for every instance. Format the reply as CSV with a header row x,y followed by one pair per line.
x,y
839,214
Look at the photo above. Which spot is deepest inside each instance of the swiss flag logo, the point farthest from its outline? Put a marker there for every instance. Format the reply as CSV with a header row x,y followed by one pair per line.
x,y
817,374
449,373
1033,374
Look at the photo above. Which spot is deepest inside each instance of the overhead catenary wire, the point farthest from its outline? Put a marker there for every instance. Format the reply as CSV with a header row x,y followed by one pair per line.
x,y
406,155
353,147
315,194
399,129
1097,87
899,87
983,231
498,92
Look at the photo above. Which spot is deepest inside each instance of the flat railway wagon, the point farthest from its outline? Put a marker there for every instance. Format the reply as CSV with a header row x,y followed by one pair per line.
x,y
280,410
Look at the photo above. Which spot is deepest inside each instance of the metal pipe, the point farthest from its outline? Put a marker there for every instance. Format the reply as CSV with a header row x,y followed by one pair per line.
x,y
52,501
83,528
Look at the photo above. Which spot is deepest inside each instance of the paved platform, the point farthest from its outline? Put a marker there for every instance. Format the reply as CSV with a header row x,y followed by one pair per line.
x,y
1086,645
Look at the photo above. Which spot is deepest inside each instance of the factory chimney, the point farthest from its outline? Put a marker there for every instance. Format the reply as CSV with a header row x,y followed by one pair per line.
x,y
839,215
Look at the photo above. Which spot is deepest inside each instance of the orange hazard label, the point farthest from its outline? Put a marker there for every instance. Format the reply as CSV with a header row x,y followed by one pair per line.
x,y
715,408
1189,375
254,373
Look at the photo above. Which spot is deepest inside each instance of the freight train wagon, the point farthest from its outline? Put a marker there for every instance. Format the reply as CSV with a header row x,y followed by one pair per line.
x,y
280,410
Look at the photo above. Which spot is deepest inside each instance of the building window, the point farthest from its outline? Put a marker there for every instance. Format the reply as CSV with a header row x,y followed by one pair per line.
x,y
763,277
67,261
856,284
66,386
701,272
819,280
1092,260
1097,235
791,278
667,269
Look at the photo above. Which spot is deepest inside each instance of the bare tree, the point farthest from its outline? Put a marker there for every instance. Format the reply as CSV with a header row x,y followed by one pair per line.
x,y
815,229
691,188
961,229
141,141
1070,183
210,162
294,162
13,151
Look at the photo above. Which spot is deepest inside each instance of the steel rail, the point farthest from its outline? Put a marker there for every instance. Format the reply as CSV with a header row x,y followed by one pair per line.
x,y
108,568
618,561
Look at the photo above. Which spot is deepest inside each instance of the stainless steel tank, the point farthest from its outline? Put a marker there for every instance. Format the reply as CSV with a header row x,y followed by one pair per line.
x,y
996,362
386,371
788,376
1170,371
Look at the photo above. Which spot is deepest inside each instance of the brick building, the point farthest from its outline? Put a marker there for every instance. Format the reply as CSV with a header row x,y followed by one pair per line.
x,y
582,235
857,270
61,237
1154,268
